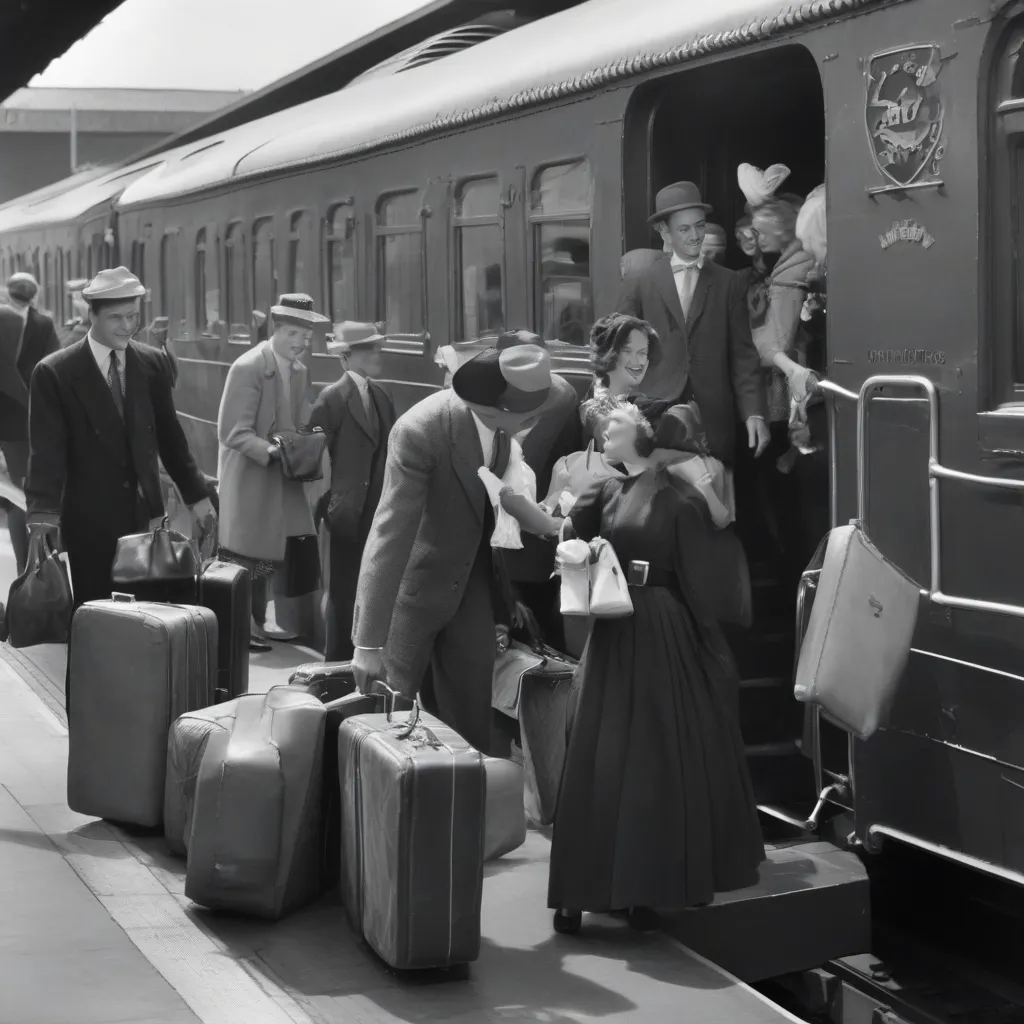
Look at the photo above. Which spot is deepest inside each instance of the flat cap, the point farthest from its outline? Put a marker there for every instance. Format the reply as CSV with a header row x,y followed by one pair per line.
x,y
119,283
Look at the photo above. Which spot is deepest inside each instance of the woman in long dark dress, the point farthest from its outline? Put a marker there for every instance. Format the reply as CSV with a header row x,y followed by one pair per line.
x,y
656,808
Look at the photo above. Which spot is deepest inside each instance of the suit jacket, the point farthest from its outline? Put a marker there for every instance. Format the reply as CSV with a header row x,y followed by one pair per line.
x,y
100,474
357,470
259,509
424,538
39,340
709,354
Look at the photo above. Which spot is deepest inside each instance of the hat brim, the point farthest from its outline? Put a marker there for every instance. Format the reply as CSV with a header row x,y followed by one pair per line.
x,y
298,317
115,294
666,213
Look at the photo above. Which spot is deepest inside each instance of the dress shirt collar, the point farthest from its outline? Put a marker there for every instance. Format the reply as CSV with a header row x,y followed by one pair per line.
x,y
697,264
358,379
486,434
101,353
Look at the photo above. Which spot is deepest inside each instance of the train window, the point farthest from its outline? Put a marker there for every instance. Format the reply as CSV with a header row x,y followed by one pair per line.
x,y
400,282
300,253
560,204
341,262
264,280
207,291
478,248
48,307
234,282
172,293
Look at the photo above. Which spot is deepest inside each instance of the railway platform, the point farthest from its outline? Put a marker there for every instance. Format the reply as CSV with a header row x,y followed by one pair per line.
x,y
96,927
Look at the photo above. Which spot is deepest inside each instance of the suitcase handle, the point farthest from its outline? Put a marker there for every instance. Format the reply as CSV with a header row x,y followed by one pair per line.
x,y
125,598
413,721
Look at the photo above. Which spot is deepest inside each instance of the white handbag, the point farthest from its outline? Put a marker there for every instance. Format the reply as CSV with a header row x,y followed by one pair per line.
x,y
859,634
609,591
572,563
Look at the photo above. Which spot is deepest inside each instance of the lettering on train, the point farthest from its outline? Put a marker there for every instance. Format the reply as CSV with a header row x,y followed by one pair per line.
x,y
907,231
908,356
905,112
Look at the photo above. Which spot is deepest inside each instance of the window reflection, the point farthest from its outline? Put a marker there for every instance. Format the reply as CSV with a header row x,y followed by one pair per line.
x,y
234,267
400,255
479,259
300,254
341,263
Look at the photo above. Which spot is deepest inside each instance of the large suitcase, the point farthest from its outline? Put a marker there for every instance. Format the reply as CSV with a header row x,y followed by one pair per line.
x,y
135,667
186,745
255,840
226,589
413,796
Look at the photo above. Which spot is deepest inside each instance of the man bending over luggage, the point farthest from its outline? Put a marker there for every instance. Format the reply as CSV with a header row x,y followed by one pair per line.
x,y
101,413
431,588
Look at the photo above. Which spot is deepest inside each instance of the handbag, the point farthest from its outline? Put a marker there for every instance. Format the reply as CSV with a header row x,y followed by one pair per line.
x,y
859,634
609,591
40,601
572,563
161,556
302,454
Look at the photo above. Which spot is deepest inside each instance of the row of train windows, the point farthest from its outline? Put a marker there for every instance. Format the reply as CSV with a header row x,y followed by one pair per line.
x,y
560,224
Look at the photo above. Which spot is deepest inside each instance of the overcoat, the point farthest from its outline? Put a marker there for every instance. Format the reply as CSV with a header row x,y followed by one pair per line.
x,y
259,509
38,341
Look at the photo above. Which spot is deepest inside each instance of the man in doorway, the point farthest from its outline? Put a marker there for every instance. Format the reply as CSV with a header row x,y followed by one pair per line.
x,y
26,337
357,415
699,310
431,588
101,419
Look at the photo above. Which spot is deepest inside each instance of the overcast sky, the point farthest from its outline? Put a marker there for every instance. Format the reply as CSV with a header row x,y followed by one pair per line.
x,y
214,44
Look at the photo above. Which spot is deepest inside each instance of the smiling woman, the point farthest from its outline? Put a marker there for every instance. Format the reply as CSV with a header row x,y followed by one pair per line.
x,y
622,348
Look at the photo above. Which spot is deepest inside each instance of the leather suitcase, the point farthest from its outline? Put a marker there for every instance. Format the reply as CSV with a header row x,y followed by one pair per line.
x,y
505,813
186,745
226,589
327,680
413,796
135,668
254,847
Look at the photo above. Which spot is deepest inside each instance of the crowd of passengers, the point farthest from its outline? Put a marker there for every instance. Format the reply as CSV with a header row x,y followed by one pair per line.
x,y
435,533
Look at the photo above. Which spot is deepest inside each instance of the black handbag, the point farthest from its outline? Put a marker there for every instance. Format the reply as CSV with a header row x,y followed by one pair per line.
x,y
302,454
160,556
40,603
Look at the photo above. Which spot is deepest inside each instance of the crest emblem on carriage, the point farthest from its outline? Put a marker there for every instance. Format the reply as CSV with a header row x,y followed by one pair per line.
x,y
905,112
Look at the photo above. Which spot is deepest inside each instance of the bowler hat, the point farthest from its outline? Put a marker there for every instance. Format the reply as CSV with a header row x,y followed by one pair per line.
x,y
683,195
509,339
119,283
350,334
516,379
297,309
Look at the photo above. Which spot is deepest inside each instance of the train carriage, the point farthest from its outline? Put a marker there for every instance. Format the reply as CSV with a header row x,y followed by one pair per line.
x,y
499,186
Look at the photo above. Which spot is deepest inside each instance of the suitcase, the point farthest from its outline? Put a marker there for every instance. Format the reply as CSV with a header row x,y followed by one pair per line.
x,y
504,814
186,745
226,589
254,846
413,796
327,680
135,668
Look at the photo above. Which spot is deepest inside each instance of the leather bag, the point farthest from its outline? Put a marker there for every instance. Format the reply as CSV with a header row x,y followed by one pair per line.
x,y
609,591
40,602
302,454
161,556
859,634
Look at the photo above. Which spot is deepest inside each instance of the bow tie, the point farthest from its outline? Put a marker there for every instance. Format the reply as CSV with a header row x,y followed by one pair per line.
x,y
681,268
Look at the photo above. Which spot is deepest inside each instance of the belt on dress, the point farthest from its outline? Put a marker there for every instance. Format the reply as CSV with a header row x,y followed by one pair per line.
x,y
657,578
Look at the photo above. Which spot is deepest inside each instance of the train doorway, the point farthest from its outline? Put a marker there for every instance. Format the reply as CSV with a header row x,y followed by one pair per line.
x,y
700,125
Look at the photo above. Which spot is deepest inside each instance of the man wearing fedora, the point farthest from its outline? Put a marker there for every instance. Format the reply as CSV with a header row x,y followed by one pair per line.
x,y
699,310
101,419
431,588
266,393
357,415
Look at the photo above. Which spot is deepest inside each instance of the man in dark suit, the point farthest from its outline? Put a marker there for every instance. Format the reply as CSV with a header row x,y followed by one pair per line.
x,y
26,336
699,310
357,415
431,588
101,413
557,432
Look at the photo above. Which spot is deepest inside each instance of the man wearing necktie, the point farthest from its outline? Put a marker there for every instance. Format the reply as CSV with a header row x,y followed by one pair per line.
x,y
101,419
699,311
431,588
357,415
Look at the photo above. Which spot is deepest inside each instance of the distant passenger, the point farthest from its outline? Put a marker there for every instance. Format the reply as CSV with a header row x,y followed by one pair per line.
x,y
102,420
26,337
77,327
357,415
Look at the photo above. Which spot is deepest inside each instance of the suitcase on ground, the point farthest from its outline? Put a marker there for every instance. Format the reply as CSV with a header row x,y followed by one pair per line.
x,y
413,796
135,667
226,589
327,680
254,847
505,814
186,745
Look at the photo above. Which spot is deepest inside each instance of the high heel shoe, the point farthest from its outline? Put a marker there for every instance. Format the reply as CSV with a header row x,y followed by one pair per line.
x,y
643,919
567,922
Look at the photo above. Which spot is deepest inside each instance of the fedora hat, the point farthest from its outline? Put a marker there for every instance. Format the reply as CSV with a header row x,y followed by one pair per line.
x,y
509,339
120,284
350,334
515,379
297,310
683,195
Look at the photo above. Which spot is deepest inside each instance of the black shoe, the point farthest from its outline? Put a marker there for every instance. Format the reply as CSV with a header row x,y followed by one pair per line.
x,y
257,643
643,919
567,922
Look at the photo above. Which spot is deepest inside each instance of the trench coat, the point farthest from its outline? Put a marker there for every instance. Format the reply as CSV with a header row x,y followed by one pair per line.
x,y
259,509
